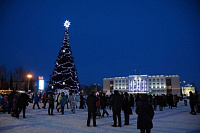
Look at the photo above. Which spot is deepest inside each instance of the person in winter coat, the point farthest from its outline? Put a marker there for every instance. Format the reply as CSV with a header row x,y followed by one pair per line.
x,y
185,99
58,105
36,100
176,100
22,103
73,102
145,113
126,107
116,103
1,100
51,103
91,103
132,101
161,102
14,106
154,102
62,102
103,101
58,102
10,101
5,103
170,101
192,103
44,100
81,102
98,104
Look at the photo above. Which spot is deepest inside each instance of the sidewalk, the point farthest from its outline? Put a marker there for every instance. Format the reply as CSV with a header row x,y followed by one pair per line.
x,y
176,120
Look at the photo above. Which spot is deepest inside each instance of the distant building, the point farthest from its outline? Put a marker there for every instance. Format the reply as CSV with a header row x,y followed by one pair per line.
x,y
187,88
153,84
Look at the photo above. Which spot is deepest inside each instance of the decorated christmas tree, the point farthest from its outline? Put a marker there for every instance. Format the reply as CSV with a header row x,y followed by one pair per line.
x,y
64,77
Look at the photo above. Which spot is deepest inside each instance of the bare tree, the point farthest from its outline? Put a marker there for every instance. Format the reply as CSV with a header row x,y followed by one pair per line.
x,y
3,80
19,78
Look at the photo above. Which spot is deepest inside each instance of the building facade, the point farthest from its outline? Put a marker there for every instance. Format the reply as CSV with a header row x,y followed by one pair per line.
x,y
152,84
187,88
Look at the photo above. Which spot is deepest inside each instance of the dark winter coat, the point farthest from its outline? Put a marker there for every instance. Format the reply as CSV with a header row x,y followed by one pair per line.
x,y
192,99
10,98
103,101
145,114
170,100
15,100
126,105
51,100
63,100
132,100
5,100
161,101
91,103
116,102
22,101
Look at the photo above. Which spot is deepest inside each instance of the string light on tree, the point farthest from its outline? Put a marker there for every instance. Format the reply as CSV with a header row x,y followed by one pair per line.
x,y
64,75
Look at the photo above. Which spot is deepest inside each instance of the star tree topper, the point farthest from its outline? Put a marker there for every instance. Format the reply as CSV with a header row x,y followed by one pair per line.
x,y
66,24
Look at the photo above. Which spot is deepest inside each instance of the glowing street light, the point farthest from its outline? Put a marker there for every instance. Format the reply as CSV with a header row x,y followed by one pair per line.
x,y
29,76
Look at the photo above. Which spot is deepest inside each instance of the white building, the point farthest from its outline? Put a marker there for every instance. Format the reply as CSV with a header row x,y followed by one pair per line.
x,y
154,84
138,83
187,88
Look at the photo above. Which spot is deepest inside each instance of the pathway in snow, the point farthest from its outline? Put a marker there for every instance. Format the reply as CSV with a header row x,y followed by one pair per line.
x,y
176,120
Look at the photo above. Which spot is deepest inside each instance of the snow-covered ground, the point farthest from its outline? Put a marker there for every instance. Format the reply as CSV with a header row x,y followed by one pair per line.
x,y
176,120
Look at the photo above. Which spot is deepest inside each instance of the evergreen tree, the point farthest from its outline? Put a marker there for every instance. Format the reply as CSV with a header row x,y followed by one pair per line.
x,y
65,74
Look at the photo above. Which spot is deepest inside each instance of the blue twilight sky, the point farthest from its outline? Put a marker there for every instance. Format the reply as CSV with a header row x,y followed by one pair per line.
x,y
108,38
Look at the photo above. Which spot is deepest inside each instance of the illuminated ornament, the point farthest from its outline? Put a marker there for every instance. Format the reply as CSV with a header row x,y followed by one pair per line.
x,y
67,23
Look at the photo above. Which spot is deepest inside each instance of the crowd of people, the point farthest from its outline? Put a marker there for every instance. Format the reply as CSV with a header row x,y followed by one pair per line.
x,y
96,104
14,103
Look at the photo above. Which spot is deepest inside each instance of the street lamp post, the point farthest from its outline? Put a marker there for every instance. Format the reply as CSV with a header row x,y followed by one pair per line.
x,y
29,76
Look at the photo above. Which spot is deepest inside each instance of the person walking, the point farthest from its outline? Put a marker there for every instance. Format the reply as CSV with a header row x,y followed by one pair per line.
x,y
145,113
58,100
36,101
81,102
10,101
116,103
126,107
44,100
5,103
91,103
154,102
14,106
67,101
185,99
51,103
192,103
103,101
170,101
58,106
161,102
98,105
22,103
176,100
73,102
62,102
132,100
